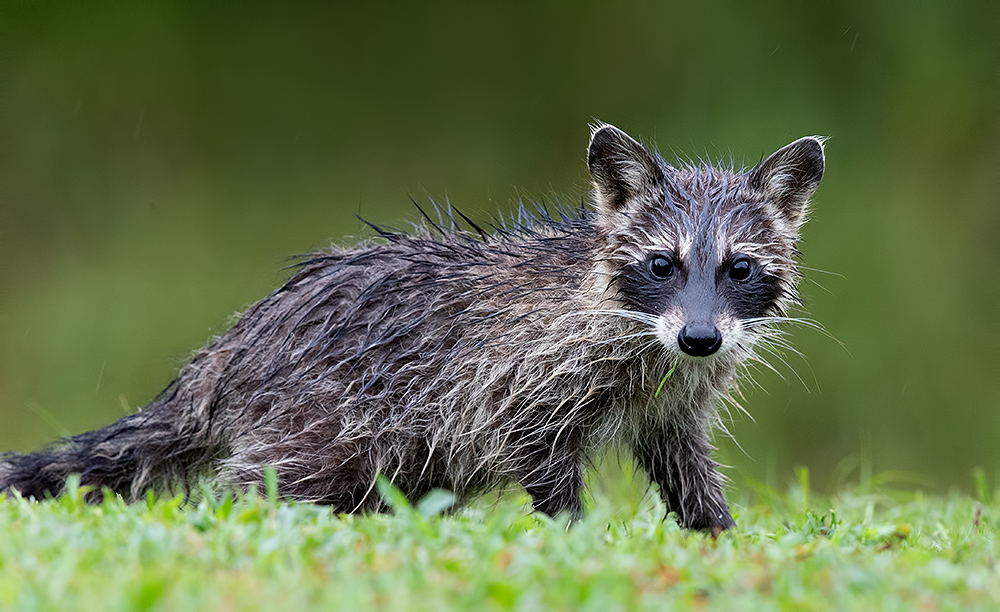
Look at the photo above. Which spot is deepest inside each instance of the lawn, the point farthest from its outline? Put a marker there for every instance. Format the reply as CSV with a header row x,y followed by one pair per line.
x,y
861,549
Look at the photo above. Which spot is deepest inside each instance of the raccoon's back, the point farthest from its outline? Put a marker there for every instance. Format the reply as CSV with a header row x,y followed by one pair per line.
x,y
370,324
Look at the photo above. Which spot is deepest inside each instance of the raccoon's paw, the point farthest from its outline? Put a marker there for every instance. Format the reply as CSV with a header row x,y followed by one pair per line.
x,y
714,522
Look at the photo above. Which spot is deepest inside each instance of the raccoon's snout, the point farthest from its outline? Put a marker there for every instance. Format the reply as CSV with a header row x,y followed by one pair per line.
x,y
699,339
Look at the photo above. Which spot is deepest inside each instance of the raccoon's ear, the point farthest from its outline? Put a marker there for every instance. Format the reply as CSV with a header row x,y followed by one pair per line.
x,y
620,168
790,176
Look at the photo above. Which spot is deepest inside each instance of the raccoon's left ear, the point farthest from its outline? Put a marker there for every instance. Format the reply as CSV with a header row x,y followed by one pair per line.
x,y
790,176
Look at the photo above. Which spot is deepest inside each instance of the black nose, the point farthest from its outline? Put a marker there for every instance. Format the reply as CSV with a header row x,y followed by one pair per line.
x,y
699,340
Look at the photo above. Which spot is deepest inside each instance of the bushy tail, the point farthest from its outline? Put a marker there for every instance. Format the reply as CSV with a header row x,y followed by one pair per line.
x,y
140,451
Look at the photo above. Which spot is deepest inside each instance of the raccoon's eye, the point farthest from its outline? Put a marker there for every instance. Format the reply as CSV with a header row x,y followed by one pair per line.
x,y
661,266
740,269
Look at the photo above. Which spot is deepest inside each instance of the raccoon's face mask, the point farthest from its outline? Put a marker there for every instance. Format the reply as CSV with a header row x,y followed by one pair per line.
x,y
708,252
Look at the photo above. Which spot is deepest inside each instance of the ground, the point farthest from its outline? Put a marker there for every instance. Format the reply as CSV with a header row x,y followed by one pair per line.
x,y
861,549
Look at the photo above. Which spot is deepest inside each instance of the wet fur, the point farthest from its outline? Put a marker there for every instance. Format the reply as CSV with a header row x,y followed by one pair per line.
x,y
446,358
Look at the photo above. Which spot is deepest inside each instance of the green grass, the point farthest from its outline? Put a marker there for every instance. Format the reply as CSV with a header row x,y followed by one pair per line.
x,y
859,550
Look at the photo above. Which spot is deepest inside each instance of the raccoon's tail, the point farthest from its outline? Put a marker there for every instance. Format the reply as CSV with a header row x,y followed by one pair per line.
x,y
151,449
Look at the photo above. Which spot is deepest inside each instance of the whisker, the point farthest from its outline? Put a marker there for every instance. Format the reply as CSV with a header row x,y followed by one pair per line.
x,y
784,361
822,271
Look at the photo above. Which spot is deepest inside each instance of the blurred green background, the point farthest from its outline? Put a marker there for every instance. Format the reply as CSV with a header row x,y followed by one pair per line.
x,y
158,162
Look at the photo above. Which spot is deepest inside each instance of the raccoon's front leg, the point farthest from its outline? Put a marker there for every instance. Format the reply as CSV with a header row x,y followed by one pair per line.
x,y
677,457
554,482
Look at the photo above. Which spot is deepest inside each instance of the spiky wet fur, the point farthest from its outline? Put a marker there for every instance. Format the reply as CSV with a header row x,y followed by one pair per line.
x,y
465,359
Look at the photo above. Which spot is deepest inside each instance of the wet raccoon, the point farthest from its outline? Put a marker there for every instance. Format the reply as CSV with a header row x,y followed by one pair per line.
x,y
464,360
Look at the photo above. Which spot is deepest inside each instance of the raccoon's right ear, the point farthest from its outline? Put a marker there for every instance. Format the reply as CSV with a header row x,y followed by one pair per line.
x,y
790,176
620,168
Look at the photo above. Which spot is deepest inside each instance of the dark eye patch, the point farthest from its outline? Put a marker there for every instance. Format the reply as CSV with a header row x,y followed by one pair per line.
x,y
748,288
647,285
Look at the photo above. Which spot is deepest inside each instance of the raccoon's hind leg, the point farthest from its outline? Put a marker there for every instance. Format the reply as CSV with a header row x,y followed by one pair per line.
x,y
677,457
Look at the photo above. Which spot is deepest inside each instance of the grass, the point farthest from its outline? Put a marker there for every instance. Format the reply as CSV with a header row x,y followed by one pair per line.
x,y
859,550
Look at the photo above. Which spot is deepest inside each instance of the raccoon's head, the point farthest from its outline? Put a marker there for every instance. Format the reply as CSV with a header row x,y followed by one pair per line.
x,y
704,255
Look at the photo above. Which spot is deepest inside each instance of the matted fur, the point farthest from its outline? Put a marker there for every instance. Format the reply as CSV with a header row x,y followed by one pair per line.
x,y
464,359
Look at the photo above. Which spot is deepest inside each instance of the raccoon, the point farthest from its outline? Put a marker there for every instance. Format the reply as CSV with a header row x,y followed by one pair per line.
x,y
466,359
